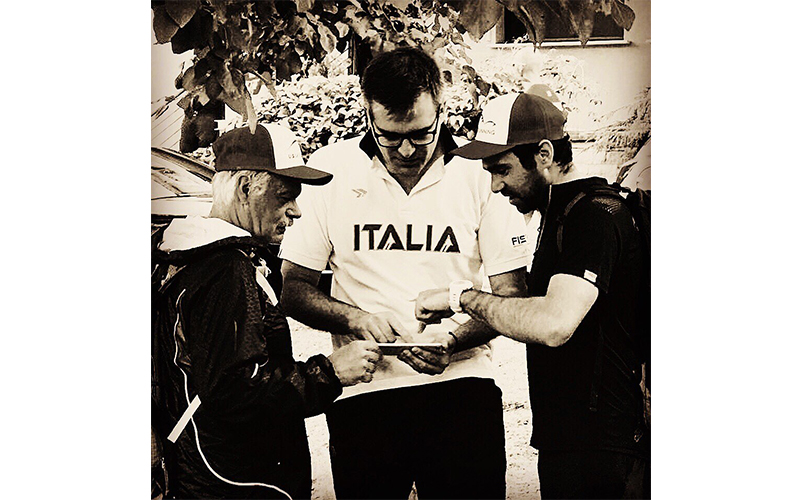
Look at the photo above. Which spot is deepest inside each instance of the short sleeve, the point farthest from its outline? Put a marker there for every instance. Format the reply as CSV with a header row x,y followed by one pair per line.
x,y
501,237
307,242
590,244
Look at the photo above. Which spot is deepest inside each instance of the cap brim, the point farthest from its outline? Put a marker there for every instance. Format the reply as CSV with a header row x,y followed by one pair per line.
x,y
306,175
477,150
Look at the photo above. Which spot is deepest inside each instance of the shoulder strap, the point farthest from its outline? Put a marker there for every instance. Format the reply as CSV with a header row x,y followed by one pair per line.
x,y
561,218
609,191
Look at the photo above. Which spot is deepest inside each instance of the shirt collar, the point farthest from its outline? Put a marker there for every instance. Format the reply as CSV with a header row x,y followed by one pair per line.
x,y
370,147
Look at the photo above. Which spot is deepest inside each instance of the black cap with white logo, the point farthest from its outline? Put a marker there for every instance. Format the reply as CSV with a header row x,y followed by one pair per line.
x,y
272,148
511,120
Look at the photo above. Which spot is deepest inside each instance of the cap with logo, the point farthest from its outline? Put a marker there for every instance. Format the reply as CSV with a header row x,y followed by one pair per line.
x,y
272,148
511,120
546,92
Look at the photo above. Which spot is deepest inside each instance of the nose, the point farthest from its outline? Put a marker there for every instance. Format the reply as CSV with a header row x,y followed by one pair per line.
x,y
293,210
406,149
497,184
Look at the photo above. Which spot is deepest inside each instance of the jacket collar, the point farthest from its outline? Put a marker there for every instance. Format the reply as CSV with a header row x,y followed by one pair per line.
x,y
195,232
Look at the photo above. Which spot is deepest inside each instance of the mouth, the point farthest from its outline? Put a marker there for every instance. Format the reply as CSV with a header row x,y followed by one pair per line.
x,y
407,162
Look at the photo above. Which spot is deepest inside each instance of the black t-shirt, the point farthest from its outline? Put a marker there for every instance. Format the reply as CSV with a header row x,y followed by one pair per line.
x,y
585,394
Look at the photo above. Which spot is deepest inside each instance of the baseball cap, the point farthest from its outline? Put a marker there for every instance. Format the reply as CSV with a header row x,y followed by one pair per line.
x,y
511,120
272,148
546,92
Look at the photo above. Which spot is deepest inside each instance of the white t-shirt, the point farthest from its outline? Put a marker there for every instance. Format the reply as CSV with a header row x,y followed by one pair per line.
x,y
385,246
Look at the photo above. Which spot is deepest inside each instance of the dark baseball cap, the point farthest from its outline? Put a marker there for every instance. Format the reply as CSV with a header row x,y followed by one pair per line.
x,y
272,148
511,120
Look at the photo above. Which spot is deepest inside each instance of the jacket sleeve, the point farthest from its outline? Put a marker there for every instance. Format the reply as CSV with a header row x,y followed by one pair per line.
x,y
240,353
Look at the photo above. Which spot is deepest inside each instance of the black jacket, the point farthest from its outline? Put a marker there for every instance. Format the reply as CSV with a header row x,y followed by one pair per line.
x,y
216,335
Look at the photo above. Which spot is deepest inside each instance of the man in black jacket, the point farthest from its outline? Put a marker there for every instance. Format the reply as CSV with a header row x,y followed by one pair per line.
x,y
230,398
582,321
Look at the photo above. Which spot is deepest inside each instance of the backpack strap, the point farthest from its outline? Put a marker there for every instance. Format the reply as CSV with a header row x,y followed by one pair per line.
x,y
561,218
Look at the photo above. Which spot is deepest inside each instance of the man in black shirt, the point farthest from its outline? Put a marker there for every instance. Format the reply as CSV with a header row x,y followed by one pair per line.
x,y
580,319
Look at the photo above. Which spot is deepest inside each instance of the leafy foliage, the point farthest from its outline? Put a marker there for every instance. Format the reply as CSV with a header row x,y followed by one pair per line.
x,y
508,73
238,41
320,110
626,135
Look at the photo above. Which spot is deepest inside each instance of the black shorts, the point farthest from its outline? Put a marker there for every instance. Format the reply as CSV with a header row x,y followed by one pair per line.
x,y
446,437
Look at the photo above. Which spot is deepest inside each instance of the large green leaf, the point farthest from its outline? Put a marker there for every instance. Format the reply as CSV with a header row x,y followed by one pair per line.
x,y
622,14
187,80
531,14
287,65
195,34
479,16
326,38
163,25
181,11
304,5
581,17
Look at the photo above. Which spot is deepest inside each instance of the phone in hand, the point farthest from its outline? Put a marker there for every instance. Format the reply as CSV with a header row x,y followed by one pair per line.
x,y
395,348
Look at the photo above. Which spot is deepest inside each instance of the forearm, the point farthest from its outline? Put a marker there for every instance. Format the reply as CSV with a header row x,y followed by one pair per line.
x,y
283,387
525,319
472,334
313,307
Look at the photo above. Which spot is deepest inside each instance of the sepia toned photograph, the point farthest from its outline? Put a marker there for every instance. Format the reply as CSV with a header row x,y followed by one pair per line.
x,y
400,249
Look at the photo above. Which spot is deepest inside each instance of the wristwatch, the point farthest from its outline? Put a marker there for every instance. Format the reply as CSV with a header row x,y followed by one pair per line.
x,y
456,289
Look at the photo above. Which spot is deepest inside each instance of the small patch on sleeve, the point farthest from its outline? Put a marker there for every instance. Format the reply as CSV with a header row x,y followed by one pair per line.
x,y
590,276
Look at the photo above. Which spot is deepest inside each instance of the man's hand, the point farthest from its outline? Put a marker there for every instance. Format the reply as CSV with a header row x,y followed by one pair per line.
x,y
429,360
355,362
433,305
380,327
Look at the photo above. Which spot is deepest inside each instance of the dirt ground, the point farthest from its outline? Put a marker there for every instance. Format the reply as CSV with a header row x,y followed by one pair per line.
x,y
522,481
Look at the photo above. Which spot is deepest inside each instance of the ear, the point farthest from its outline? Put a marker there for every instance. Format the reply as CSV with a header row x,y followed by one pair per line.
x,y
544,158
243,185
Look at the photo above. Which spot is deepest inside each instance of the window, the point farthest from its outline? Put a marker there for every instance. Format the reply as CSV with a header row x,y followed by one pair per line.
x,y
559,29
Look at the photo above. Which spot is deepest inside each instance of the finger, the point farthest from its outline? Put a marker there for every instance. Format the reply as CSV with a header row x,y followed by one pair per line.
x,y
431,317
381,330
419,364
399,329
371,346
368,335
429,357
372,356
424,314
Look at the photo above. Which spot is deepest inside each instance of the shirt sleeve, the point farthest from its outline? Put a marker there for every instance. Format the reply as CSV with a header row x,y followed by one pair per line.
x,y
501,236
590,244
307,242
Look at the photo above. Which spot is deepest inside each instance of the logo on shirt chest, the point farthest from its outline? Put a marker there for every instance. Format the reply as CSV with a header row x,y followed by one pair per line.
x,y
416,238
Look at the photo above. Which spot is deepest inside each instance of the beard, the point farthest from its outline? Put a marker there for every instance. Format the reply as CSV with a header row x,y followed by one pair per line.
x,y
534,198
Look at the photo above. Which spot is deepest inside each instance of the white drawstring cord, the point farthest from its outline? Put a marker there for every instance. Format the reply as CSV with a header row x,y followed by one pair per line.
x,y
191,418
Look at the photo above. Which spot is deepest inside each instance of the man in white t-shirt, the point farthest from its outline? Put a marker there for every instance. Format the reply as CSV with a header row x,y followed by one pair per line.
x,y
403,215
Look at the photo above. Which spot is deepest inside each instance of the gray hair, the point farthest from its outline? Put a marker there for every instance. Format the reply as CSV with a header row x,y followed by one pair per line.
x,y
223,185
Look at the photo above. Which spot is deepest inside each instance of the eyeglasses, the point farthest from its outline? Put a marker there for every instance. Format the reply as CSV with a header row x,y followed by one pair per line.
x,y
421,137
